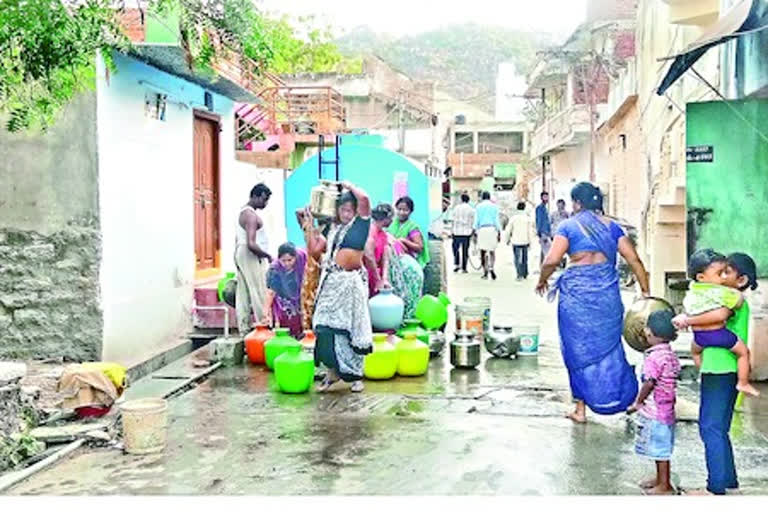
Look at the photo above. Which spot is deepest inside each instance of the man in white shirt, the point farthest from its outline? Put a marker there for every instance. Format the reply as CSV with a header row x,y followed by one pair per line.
x,y
518,235
463,224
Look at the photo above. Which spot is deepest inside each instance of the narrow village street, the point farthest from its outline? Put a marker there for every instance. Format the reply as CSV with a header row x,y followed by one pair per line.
x,y
498,430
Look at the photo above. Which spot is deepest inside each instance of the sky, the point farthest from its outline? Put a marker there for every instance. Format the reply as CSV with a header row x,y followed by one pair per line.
x,y
404,17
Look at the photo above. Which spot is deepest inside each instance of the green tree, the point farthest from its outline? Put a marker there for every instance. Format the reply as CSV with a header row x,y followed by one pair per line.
x,y
47,55
314,51
48,48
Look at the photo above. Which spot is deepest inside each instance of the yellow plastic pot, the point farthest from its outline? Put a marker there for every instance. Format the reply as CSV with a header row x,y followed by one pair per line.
x,y
412,357
381,364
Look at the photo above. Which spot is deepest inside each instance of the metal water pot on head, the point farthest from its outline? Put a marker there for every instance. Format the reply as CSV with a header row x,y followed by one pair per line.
x,y
323,199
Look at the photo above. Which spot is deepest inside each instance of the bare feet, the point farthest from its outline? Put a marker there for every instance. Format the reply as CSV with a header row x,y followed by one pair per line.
x,y
649,484
576,417
747,388
661,490
698,492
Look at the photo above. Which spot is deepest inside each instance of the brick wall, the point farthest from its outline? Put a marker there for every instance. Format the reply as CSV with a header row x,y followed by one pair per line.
x,y
132,23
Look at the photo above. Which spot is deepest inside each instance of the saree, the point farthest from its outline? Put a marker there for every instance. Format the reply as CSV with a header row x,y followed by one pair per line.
x,y
405,274
404,230
342,321
590,320
286,284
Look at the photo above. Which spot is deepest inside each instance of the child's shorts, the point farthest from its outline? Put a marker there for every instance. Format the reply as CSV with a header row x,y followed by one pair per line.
x,y
653,438
722,338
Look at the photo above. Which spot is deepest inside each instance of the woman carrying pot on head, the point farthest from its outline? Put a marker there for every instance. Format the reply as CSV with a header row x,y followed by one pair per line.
x,y
342,322
590,311
392,266
284,280
314,237
407,232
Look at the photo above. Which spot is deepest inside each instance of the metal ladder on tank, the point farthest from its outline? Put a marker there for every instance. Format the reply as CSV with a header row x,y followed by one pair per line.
x,y
335,162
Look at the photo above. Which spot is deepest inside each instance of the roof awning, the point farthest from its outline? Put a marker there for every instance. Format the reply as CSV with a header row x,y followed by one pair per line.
x,y
742,17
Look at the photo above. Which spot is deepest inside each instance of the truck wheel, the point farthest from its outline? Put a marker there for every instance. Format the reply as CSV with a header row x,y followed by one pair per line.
x,y
434,272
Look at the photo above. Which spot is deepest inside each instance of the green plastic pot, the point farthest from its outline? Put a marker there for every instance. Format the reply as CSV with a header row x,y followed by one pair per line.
x,y
281,343
412,357
223,283
413,326
432,311
381,364
294,370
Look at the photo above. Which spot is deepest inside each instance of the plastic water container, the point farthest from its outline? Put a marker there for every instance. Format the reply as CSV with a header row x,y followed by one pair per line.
x,y
529,340
145,425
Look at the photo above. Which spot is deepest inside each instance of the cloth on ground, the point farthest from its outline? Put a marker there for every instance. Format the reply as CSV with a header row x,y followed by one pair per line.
x,y
86,387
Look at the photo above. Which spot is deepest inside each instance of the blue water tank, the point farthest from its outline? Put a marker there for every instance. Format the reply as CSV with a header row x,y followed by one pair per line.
x,y
365,163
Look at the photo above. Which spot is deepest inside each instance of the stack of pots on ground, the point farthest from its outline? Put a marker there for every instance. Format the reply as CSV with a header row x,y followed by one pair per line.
x,y
484,304
386,310
501,341
413,326
465,350
412,356
276,346
381,364
294,368
254,343
432,311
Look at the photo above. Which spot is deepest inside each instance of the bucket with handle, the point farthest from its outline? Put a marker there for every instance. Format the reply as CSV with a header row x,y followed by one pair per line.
x,y
529,339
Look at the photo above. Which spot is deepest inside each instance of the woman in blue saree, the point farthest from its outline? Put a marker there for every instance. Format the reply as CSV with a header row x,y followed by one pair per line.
x,y
590,311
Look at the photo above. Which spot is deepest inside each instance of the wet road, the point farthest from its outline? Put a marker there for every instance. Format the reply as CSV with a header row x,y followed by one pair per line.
x,y
499,430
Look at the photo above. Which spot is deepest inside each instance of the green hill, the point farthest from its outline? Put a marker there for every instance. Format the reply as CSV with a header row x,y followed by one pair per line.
x,y
463,59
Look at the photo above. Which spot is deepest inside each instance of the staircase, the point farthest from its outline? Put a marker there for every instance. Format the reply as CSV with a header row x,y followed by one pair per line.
x,y
286,113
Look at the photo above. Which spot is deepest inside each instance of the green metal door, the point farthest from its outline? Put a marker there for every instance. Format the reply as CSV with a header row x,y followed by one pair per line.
x,y
727,178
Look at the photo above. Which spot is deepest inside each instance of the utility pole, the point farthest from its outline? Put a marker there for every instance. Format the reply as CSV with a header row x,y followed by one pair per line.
x,y
590,87
401,121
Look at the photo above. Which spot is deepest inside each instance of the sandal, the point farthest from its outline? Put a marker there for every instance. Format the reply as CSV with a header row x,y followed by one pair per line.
x,y
326,385
357,386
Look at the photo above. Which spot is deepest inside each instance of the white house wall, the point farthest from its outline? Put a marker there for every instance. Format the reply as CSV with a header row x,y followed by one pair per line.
x,y
234,194
147,218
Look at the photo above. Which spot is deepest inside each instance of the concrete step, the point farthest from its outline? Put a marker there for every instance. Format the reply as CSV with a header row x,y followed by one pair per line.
x,y
202,319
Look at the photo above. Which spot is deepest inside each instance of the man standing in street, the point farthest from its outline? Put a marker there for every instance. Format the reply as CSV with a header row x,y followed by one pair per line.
x,y
463,225
556,218
543,226
252,260
488,232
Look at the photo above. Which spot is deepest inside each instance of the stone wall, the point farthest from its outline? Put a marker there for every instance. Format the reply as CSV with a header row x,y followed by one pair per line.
x,y
49,300
50,246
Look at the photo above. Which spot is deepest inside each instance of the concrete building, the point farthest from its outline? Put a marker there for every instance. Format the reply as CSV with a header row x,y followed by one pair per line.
x,y
641,137
387,102
486,156
112,219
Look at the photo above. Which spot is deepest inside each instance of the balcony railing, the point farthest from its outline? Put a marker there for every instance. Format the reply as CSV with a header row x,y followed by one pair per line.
x,y
304,110
289,111
568,128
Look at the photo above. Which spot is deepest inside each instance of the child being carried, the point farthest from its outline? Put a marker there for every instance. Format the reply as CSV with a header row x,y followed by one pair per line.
x,y
713,303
